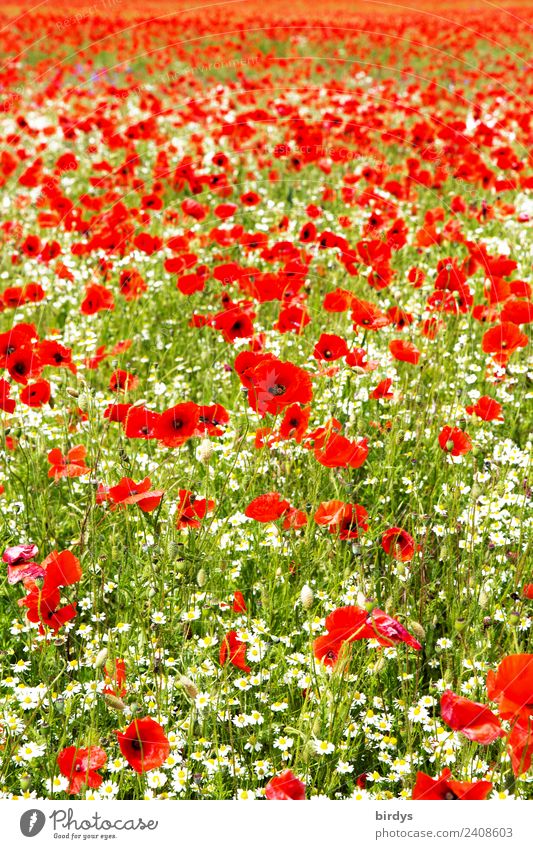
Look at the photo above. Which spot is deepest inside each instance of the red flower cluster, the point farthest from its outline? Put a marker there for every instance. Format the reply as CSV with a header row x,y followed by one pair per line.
x,y
128,492
348,624
60,569
511,687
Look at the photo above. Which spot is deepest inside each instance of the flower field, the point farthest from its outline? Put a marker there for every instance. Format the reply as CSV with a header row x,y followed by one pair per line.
x,y
266,401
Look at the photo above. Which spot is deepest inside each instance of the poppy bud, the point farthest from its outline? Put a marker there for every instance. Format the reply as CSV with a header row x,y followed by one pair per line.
x,y
361,599
114,702
175,549
417,629
100,658
460,625
514,617
483,598
25,782
189,686
201,578
379,665
476,491
307,597
308,751
204,452
72,392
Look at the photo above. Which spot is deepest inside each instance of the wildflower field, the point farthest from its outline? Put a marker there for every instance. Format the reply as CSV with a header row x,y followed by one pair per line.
x,y
265,401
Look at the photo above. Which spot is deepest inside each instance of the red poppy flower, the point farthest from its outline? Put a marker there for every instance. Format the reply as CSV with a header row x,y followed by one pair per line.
x,y
267,507
358,359
23,364
293,318
194,209
191,510
98,357
60,570
285,786
527,591
21,335
404,351
338,301
122,380
115,674
445,788
327,648
344,625
31,245
388,631
144,744
339,452
36,394
21,553
245,363
43,607
128,492
294,423
212,419
476,721
520,744
239,604
368,315
330,513
225,210
330,347
233,650
399,544
7,404
517,311
20,565
131,284
511,686
275,385
487,409
117,412
250,199
352,522
294,519
234,324
80,767
455,441
71,466
51,353
503,340
178,424
383,389
137,422
97,298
